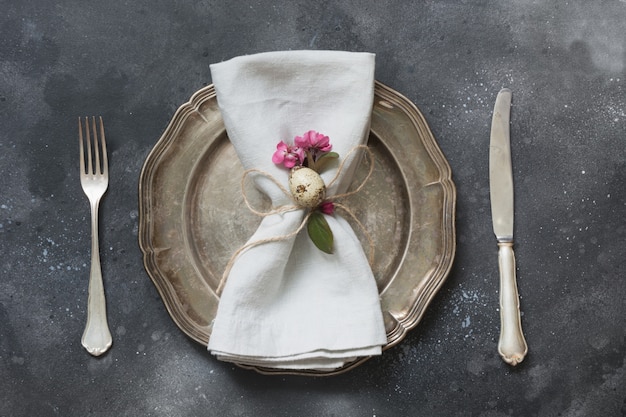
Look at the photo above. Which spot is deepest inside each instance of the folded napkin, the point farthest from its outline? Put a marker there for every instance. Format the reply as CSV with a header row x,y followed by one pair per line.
x,y
286,304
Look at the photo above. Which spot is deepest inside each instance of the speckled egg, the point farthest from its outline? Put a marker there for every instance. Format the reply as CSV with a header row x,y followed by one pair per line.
x,y
306,186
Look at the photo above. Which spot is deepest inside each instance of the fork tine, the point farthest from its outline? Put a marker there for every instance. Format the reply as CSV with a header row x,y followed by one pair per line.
x,y
96,146
81,147
105,161
91,148
88,135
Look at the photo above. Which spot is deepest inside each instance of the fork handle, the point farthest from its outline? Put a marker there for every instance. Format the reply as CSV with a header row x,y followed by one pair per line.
x,y
96,337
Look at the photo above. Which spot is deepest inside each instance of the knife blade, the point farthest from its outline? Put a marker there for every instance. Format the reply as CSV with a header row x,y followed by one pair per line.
x,y
511,344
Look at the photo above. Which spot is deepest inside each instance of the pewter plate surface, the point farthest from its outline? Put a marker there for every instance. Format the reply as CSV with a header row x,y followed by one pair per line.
x,y
192,215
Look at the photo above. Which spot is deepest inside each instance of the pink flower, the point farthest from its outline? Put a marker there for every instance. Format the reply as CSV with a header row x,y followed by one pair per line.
x,y
287,155
313,141
327,207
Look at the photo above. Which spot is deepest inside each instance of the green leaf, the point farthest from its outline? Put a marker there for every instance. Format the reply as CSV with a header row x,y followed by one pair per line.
x,y
325,159
320,233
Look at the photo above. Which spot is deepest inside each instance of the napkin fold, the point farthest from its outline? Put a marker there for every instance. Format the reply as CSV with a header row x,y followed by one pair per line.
x,y
286,304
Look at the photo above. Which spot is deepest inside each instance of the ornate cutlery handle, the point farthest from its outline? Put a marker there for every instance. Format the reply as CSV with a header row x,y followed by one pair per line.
x,y
96,337
512,345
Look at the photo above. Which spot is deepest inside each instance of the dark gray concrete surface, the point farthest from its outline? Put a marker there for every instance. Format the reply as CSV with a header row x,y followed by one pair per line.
x,y
136,62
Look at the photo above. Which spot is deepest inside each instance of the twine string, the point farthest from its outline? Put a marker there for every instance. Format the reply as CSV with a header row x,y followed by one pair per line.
x,y
291,207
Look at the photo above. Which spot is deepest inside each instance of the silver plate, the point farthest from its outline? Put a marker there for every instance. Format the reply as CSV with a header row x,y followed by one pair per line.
x,y
192,216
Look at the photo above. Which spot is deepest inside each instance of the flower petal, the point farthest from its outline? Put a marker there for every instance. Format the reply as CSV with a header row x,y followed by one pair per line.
x,y
327,207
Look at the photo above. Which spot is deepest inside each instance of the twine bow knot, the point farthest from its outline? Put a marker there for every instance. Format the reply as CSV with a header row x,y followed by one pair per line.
x,y
296,206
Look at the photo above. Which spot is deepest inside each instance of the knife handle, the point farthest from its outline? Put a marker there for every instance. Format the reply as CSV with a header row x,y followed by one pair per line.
x,y
512,345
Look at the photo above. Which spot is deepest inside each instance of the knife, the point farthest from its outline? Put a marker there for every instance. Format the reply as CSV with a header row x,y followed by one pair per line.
x,y
511,345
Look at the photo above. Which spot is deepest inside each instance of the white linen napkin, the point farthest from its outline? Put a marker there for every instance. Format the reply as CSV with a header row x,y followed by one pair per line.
x,y
287,304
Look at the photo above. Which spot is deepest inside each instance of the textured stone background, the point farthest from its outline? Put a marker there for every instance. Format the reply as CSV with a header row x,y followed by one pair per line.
x,y
136,62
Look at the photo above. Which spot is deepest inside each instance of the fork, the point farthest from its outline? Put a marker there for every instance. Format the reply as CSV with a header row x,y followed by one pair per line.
x,y
94,180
